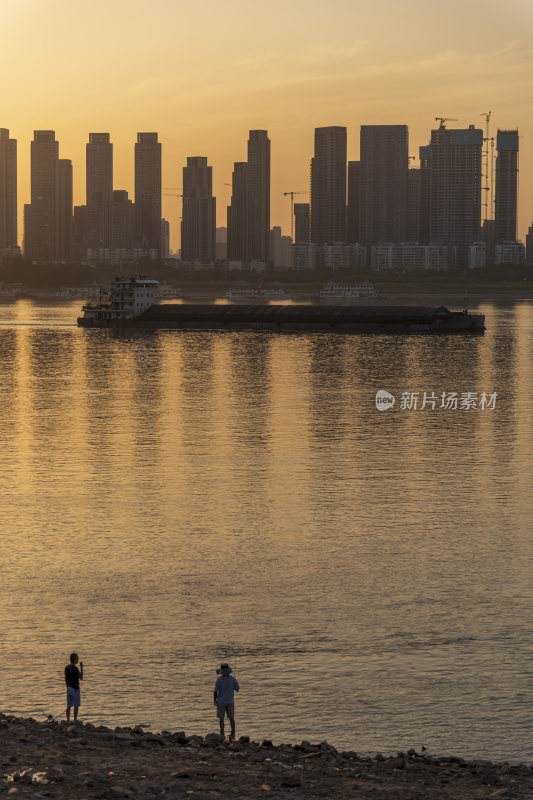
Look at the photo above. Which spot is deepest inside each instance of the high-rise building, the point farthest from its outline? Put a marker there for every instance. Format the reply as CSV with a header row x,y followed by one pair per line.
x,y
249,212
529,246
488,237
328,186
122,220
413,205
280,248
198,224
238,215
353,208
384,166
505,210
79,233
8,190
221,243
259,194
302,223
64,210
455,188
99,189
148,191
165,239
425,184
26,235
40,222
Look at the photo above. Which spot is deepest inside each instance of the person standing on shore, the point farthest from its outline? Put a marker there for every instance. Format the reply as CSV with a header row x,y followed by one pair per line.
x,y
73,676
225,686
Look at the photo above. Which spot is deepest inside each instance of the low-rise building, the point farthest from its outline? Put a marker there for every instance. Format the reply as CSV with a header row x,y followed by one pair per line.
x,y
510,253
304,256
477,255
409,256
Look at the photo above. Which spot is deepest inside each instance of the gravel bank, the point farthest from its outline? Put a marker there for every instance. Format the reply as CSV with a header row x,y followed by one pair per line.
x,y
62,760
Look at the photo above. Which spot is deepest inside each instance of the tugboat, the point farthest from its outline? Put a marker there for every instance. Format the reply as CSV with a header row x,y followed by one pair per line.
x,y
129,298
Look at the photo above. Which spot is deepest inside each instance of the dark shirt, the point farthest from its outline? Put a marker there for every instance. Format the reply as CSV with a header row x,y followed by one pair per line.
x,y
72,676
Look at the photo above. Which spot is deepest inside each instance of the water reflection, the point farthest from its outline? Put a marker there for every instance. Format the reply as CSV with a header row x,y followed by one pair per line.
x,y
168,480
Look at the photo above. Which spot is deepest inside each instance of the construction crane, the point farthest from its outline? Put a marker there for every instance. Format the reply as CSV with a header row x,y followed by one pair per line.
x,y
291,194
175,195
444,120
488,188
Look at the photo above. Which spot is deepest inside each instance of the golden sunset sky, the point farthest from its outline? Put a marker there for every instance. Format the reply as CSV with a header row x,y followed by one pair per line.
x,y
202,74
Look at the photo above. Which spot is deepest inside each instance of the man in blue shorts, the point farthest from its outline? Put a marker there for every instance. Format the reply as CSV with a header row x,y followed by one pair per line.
x,y
73,676
224,699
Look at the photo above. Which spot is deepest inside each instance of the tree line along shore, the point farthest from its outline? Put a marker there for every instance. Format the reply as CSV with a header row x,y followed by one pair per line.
x,y
490,281
42,759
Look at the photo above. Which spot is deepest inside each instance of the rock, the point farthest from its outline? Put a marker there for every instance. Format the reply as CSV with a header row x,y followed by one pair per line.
x,y
396,762
246,740
55,774
126,737
480,762
153,737
214,738
184,775
118,791
291,780
39,777
266,743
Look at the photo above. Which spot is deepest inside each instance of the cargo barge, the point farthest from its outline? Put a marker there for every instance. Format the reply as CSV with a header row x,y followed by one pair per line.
x,y
133,306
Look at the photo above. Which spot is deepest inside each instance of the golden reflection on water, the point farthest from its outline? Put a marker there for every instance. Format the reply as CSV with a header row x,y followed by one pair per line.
x,y
185,497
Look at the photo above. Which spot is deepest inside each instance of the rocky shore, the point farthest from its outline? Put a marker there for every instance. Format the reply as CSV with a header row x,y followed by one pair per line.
x,y
63,760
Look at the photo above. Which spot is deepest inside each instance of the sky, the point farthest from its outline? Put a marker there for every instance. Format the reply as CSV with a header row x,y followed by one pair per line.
x,y
202,74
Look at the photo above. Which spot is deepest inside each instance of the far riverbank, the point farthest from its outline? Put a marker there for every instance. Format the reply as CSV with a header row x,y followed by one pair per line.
x,y
409,296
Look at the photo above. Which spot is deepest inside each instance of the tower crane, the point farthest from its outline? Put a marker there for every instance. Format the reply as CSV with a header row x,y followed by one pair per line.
x,y
488,188
444,120
291,194
177,196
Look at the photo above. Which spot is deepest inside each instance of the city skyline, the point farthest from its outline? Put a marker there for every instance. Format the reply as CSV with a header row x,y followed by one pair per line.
x,y
151,171
204,95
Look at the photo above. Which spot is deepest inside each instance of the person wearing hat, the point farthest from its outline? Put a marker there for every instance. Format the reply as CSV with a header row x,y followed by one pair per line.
x,y
225,686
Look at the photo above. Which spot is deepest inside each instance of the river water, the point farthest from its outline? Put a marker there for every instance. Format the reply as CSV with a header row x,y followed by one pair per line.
x,y
170,500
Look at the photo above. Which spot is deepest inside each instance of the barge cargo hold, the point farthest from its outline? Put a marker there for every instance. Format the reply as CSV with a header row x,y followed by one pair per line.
x,y
350,319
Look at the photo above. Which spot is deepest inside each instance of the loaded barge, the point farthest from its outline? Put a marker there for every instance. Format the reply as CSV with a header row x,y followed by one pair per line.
x,y
133,306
